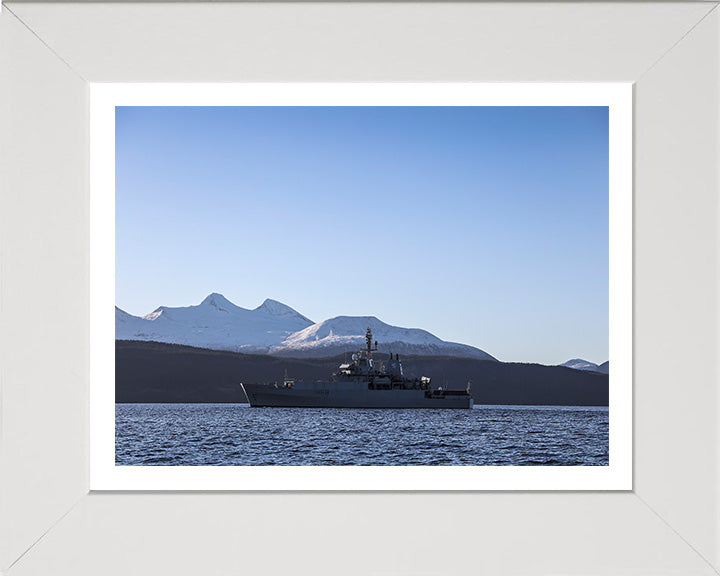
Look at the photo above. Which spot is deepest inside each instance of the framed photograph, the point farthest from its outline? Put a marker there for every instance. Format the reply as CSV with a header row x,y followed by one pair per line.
x,y
442,196
70,507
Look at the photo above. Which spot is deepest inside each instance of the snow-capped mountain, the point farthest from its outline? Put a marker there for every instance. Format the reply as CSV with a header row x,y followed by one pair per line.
x,y
580,364
347,333
274,328
215,323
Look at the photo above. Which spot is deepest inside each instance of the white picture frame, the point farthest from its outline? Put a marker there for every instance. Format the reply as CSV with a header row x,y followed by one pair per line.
x,y
668,523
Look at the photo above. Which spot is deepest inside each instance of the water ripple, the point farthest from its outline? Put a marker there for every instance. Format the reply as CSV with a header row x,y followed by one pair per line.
x,y
237,435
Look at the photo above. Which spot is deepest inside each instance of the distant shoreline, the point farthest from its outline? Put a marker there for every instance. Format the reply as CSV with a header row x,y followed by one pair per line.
x,y
476,407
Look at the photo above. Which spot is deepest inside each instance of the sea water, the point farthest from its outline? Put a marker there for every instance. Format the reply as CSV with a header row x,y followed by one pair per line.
x,y
238,435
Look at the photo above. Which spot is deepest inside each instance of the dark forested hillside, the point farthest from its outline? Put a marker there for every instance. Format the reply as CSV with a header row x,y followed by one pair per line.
x,y
155,372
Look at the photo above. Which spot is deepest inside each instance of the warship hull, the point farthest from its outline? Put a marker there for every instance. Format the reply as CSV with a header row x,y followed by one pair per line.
x,y
344,394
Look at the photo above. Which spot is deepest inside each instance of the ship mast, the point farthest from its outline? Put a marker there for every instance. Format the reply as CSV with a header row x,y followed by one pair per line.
x,y
369,343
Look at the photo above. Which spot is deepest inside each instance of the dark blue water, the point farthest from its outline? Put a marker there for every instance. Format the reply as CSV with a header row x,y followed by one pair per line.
x,y
237,435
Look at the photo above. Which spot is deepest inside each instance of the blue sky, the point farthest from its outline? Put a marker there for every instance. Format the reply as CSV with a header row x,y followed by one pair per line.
x,y
484,225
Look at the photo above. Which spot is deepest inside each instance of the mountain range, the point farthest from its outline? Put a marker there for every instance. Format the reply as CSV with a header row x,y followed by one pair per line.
x,y
276,329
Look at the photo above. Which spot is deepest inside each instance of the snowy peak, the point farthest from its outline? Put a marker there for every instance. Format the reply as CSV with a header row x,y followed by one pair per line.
x,y
580,364
215,323
347,334
219,302
356,326
280,310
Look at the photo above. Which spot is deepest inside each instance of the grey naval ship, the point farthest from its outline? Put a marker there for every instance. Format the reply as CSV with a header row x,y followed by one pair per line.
x,y
359,384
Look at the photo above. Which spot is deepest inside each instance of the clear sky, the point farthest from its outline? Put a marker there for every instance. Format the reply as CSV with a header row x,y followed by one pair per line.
x,y
484,225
